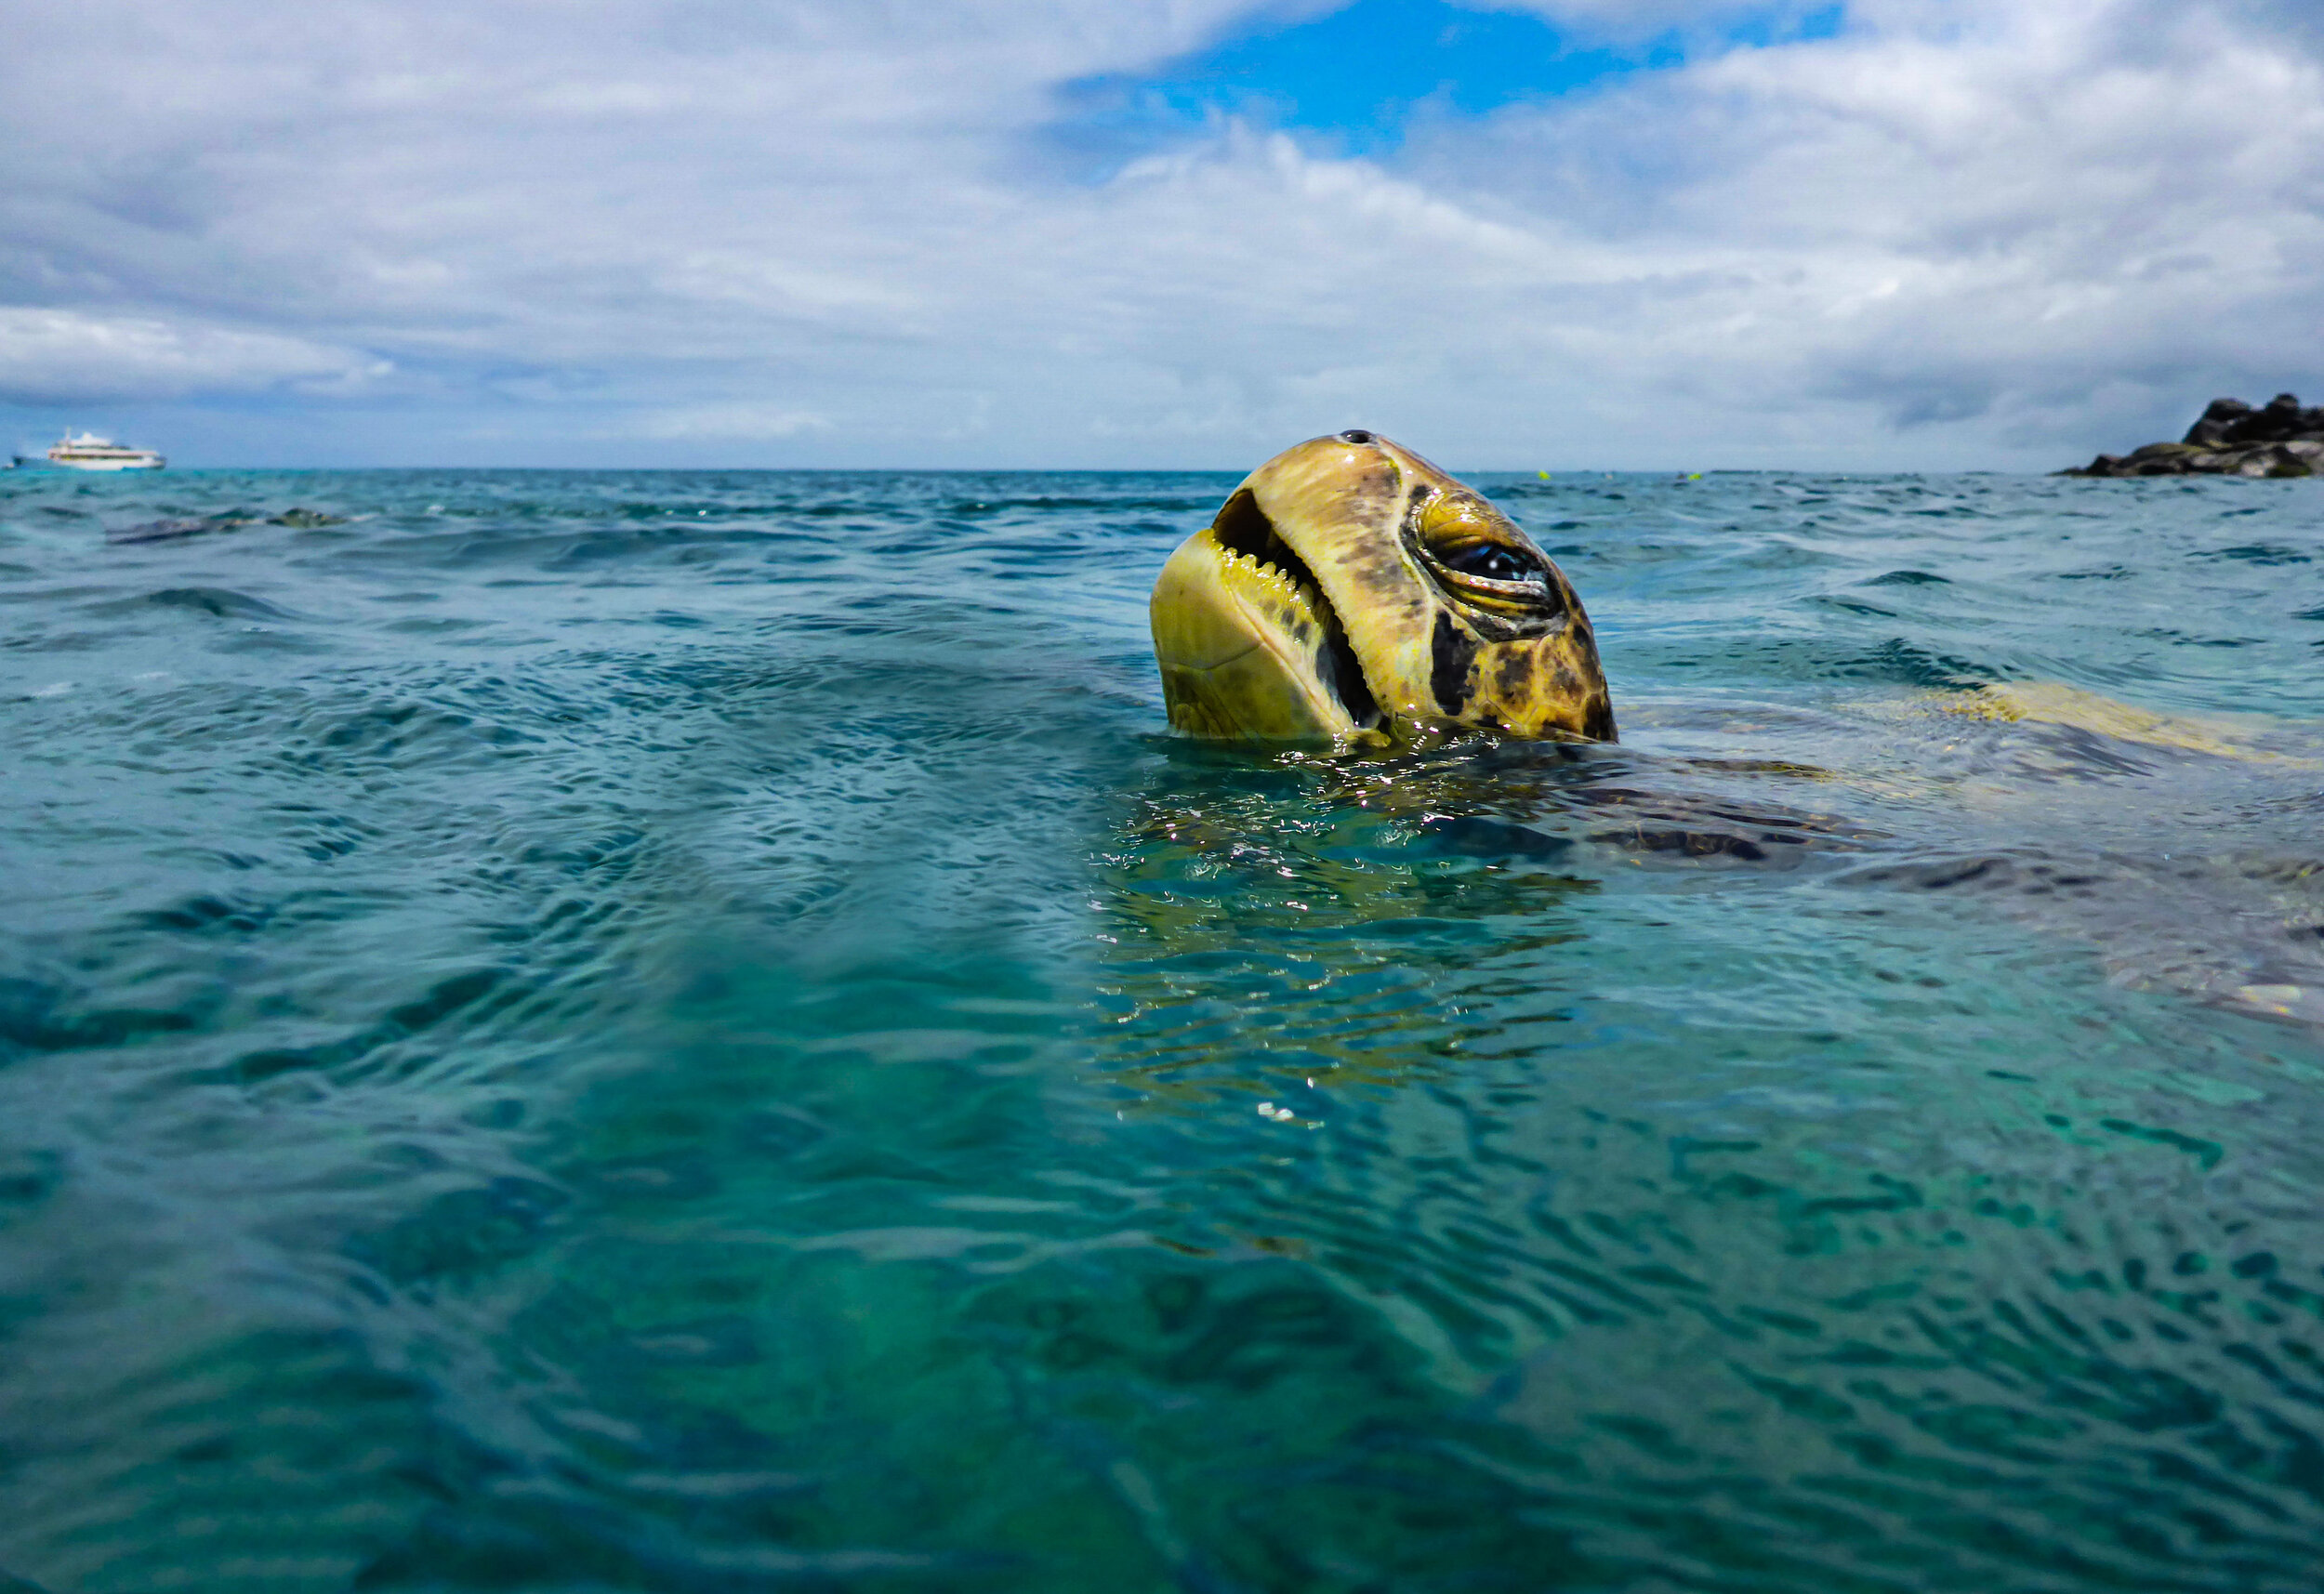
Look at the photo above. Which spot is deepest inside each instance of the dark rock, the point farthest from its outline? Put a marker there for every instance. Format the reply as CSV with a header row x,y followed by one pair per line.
x,y
2278,422
2281,459
2212,428
2232,438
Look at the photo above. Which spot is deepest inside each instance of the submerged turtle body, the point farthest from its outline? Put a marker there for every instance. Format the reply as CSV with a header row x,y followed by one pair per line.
x,y
1350,592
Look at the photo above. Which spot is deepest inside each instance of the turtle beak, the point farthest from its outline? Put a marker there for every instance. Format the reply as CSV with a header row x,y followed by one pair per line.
x,y
1248,646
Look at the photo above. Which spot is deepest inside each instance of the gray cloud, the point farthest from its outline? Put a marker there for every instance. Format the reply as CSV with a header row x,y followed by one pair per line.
x,y
1967,233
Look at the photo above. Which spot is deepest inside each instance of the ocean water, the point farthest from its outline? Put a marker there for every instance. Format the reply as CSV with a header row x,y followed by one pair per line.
x,y
694,1032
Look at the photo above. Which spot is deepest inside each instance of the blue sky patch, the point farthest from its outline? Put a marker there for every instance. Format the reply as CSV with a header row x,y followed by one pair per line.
x,y
1358,74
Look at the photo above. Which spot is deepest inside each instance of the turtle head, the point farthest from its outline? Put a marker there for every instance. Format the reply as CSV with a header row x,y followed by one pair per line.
x,y
1350,591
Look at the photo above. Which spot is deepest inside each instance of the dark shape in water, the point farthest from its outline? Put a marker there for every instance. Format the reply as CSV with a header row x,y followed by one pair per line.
x,y
170,528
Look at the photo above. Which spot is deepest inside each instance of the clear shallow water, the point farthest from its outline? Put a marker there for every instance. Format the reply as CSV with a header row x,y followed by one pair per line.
x,y
688,1032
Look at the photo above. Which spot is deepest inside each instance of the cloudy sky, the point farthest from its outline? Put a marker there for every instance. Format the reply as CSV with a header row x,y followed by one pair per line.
x,y
1880,234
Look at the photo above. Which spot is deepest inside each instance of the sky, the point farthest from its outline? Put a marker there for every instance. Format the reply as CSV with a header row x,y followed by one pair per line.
x,y
1514,234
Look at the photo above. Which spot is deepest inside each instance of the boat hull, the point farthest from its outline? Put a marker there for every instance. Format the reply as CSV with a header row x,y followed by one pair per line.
x,y
149,462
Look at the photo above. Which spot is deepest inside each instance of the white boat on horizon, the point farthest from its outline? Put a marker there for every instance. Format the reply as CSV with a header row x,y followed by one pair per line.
x,y
89,451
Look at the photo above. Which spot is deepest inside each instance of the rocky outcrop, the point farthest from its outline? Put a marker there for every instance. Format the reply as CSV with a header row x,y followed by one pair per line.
x,y
2232,438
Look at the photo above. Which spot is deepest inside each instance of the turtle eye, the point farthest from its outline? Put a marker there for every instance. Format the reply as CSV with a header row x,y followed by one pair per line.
x,y
1481,560
1494,562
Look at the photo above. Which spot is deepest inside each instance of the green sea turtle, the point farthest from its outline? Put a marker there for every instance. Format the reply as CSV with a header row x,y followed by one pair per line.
x,y
1350,591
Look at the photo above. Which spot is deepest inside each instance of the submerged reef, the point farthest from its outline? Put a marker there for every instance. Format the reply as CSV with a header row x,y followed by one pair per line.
x,y
2233,439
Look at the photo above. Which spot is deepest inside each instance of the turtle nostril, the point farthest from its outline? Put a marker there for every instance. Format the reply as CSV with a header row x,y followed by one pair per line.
x,y
1356,437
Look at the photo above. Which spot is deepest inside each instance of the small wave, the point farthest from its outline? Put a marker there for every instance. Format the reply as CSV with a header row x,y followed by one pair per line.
x,y
216,601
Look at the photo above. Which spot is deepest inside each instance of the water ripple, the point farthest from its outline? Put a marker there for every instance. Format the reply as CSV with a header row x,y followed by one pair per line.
x,y
691,1031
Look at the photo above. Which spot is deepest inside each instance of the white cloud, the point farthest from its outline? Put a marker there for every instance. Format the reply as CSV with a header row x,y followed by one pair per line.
x,y
58,356
722,423
1975,231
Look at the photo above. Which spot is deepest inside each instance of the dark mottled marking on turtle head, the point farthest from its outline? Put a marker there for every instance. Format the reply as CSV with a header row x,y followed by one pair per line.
x,y
1513,672
1451,652
1599,724
1374,494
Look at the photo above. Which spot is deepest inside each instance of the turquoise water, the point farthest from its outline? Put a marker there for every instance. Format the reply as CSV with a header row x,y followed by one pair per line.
x,y
691,1031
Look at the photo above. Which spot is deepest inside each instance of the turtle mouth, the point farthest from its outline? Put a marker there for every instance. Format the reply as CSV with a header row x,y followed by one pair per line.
x,y
1245,537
